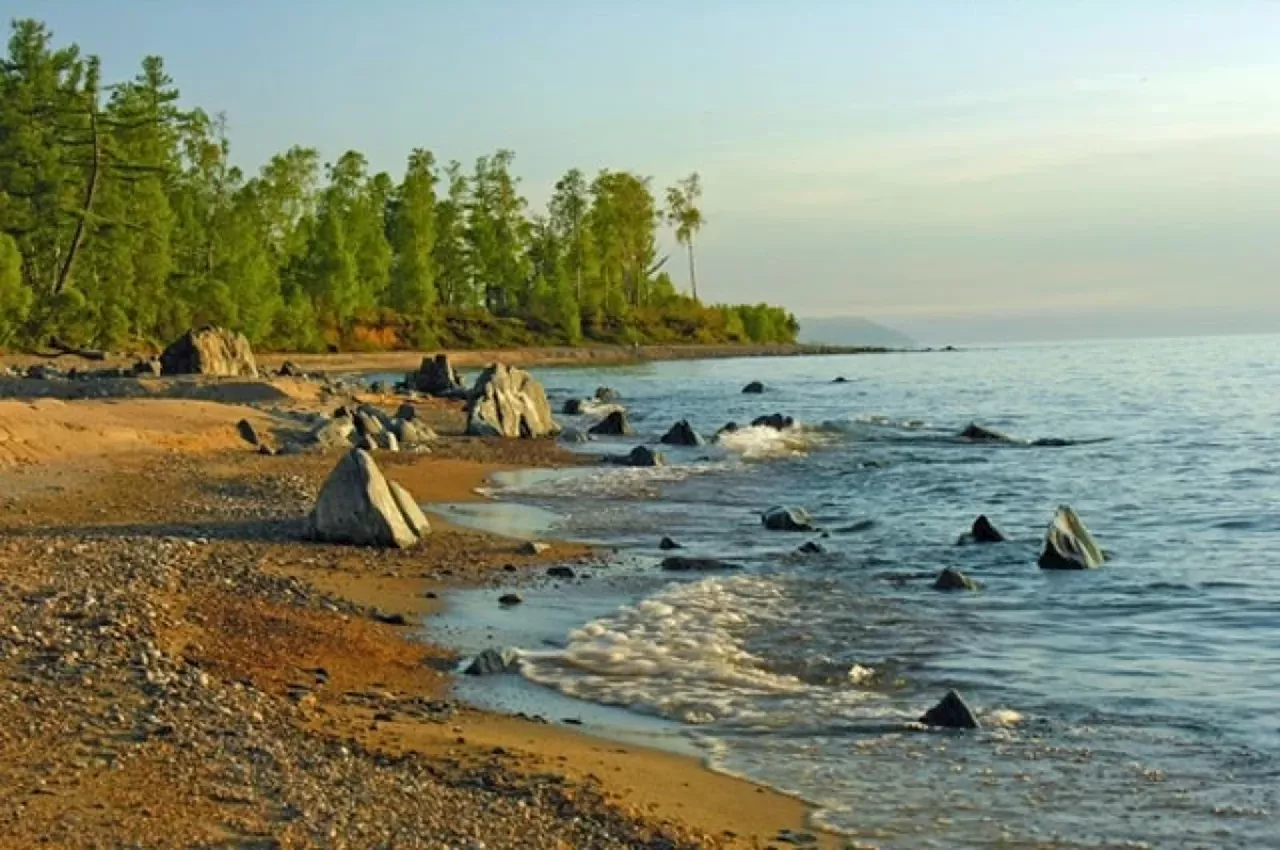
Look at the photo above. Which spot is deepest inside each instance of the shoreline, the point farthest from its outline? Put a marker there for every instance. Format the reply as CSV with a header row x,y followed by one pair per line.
x,y
230,610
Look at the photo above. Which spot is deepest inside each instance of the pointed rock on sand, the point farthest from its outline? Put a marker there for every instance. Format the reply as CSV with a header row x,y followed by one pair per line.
x,y
358,505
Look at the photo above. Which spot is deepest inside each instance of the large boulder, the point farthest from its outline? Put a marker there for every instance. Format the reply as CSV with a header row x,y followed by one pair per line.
x,y
436,376
787,519
1068,545
508,402
951,713
682,434
357,505
210,351
613,425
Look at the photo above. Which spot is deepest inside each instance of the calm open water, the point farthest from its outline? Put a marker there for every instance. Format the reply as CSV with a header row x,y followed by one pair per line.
x,y
1131,706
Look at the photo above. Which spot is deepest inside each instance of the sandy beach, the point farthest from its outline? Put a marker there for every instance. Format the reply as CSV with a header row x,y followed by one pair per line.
x,y
182,667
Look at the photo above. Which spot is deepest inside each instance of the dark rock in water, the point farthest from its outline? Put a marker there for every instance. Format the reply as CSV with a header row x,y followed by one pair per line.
x,y
984,531
812,548
682,434
776,421
574,435
572,407
951,713
860,525
978,434
787,519
613,425
510,599
667,544
755,387
389,619
1052,442
289,369
435,376
607,395
248,433
728,428
561,572
950,579
841,380
491,662
642,456
210,351
1068,545
682,564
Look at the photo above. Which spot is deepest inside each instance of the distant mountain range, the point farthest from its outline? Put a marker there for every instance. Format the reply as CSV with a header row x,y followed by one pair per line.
x,y
852,330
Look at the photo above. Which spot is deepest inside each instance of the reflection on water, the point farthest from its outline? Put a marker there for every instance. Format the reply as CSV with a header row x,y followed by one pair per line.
x,y
509,519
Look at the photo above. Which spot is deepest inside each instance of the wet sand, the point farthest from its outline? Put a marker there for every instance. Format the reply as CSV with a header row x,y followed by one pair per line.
x,y
181,667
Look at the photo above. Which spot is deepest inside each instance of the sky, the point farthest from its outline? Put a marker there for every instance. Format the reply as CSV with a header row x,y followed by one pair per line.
x,y
959,170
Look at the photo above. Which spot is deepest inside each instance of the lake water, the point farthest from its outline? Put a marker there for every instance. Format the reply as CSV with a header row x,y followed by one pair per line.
x,y
1130,706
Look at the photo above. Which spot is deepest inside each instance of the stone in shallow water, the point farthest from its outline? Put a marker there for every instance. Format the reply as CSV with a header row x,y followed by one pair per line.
x,y
1068,545
984,531
951,713
950,579
787,519
667,543
753,388
613,425
682,564
682,434
491,662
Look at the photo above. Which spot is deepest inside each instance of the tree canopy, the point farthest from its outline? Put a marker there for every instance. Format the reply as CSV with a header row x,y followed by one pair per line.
x,y
123,221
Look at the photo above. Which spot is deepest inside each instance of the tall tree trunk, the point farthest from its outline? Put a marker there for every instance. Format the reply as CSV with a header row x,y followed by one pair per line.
x,y
693,276
91,189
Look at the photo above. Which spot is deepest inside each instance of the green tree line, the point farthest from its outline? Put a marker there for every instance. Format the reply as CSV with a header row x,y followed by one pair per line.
x,y
123,222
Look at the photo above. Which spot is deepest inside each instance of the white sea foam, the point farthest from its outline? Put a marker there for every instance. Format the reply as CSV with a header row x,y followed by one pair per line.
x,y
761,441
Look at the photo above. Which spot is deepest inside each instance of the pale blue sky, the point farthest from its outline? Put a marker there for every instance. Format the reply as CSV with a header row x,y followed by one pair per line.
x,y
922,163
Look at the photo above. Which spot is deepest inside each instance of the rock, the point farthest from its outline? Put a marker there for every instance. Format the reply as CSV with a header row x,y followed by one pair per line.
x,y
367,442
950,713
572,407
812,548
148,368
389,441
377,387
682,434
289,369
561,572
248,433
510,599
210,351
607,395
840,380
727,428
266,450
43,372
435,376
407,412
533,547
978,434
491,662
641,456
574,435
372,420
411,433
983,531
787,519
613,425
508,402
342,412
410,510
356,505
776,421
683,564
950,579
389,619
755,387
667,544
1068,545
336,433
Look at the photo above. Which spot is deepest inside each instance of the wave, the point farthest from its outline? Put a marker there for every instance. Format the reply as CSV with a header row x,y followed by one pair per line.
x,y
761,441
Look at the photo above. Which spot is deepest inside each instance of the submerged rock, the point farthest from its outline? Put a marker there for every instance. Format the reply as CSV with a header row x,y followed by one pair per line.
x,y
682,434
978,434
210,351
508,402
607,395
572,407
509,599
812,547
574,435
787,519
667,544
642,456
561,572
491,662
1068,545
683,564
357,505
727,428
776,421
982,531
613,425
840,380
950,579
951,713
753,388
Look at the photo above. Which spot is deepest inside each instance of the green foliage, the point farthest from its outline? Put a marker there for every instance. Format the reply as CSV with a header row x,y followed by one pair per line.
x,y
123,222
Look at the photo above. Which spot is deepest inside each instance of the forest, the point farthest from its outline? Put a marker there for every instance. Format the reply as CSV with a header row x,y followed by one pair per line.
x,y
123,222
